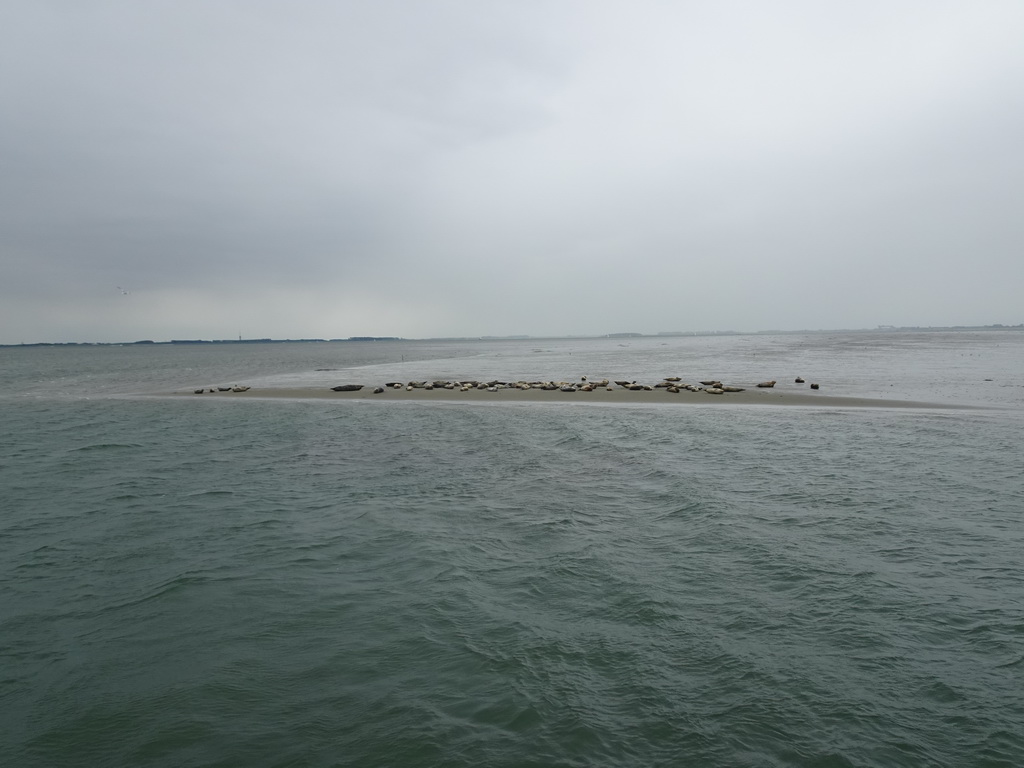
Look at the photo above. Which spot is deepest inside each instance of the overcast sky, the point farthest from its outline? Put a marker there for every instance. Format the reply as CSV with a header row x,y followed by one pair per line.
x,y
419,168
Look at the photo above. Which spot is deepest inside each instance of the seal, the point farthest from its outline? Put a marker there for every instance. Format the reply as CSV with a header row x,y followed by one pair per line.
x,y
347,388
767,384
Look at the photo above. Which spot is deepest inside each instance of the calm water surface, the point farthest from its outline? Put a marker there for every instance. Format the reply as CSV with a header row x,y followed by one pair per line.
x,y
250,583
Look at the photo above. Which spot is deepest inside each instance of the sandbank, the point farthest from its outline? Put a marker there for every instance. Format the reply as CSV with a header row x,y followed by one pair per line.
x,y
778,396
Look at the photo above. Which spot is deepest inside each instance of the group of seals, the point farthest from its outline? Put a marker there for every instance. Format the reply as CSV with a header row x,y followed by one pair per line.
x,y
672,384
799,380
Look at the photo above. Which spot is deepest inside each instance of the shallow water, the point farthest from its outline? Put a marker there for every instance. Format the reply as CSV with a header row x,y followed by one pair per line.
x,y
216,582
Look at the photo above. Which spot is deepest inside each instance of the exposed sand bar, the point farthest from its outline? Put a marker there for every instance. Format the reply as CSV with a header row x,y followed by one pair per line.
x,y
618,396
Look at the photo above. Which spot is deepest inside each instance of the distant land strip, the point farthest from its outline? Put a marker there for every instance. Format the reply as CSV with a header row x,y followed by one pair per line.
x,y
519,337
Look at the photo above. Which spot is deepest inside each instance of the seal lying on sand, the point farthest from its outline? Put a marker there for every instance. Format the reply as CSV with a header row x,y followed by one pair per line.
x,y
347,388
768,384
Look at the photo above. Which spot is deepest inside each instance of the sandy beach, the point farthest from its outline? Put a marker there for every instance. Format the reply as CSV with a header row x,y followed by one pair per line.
x,y
781,395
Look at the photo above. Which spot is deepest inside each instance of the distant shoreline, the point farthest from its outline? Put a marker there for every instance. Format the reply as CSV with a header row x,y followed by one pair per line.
x,y
660,335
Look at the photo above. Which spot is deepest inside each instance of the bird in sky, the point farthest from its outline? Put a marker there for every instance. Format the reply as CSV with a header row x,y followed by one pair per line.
x,y
122,290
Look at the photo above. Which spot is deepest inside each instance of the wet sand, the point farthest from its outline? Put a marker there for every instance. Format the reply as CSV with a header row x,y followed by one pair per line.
x,y
618,396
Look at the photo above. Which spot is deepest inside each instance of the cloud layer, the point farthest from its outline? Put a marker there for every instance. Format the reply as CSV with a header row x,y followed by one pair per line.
x,y
315,169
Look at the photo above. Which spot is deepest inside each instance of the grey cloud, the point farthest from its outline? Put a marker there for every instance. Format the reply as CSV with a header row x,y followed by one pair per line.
x,y
462,168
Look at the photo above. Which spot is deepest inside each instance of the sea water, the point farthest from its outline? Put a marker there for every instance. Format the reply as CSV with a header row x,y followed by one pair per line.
x,y
209,582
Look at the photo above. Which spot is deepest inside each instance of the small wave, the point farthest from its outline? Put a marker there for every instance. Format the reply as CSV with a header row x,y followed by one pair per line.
x,y
109,447
1016,662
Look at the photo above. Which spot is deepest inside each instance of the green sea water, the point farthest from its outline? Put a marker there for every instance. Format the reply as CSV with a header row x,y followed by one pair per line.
x,y
191,582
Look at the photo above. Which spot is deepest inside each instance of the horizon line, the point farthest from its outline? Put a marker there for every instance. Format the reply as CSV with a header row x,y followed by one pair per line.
x,y
515,337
